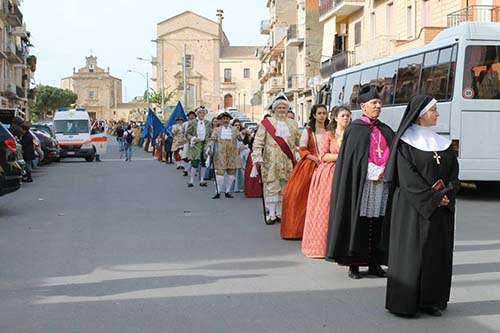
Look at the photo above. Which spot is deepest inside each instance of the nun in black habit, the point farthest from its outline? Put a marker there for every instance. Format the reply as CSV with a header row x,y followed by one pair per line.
x,y
357,227
423,170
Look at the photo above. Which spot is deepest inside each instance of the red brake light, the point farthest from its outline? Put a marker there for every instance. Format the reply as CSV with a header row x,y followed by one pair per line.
x,y
11,144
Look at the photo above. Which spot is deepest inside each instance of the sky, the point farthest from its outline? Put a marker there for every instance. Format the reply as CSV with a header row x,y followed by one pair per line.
x,y
118,31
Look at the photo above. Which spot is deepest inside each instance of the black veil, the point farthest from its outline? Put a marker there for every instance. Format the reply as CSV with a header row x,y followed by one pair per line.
x,y
412,113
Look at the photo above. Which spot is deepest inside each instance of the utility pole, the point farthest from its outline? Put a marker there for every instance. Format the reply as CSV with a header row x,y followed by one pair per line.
x,y
162,77
184,76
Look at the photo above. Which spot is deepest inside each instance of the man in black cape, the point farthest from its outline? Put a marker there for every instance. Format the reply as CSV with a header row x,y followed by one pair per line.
x,y
357,230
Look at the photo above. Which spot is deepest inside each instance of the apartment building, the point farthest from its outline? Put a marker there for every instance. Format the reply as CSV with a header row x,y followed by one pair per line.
x,y
195,59
16,66
272,76
358,31
302,51
98,91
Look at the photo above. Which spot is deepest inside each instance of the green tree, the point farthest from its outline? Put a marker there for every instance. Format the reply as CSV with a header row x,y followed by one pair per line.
x,y
155,97
49,99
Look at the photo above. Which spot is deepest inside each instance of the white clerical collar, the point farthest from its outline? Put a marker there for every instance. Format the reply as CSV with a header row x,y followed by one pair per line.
x,y
424,138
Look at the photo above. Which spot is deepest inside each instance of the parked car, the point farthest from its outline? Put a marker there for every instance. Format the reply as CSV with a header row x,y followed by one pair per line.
x,y
49,146
10,171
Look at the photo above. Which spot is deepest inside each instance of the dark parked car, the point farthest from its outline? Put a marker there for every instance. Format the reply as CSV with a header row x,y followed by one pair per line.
x,y
10,171
49,146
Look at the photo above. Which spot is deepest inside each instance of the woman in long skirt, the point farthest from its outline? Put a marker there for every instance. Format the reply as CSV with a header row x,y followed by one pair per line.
x,y
318,202
293,213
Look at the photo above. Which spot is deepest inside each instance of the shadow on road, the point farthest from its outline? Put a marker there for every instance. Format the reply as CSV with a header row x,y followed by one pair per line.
x,y
121,286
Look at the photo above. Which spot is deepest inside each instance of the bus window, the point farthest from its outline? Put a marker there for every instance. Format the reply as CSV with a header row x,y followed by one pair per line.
x,y
453,68
337,91
481,78
387,82
369,75
408,78
434,80
352,90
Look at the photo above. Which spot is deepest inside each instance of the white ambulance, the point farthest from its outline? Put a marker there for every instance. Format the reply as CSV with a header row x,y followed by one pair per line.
x,y
73,131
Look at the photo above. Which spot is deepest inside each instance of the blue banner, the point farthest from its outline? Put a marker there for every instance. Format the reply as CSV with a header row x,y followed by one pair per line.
x,y
152,127
178,112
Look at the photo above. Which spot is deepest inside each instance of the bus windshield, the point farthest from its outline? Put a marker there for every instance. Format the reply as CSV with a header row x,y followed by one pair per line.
x,y
481,78
71,126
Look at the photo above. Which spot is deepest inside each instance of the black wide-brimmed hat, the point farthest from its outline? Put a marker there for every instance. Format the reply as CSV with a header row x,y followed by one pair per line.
x,y
179,118
190,112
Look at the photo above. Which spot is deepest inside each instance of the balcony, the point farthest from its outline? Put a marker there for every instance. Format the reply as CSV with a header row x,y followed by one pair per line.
x,y
328,8
295,83
13,54
9,92
339,61
274,85
19,31
474,13
265,27
12,14
295,35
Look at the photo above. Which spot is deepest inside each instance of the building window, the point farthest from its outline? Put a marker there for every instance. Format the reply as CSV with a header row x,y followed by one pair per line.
x,y
388,19
227,75
246,73
410,22
91,68
357,33
426,13
189,60
92,94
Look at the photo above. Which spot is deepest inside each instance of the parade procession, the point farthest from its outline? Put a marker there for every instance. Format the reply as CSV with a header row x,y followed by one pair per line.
x,y
280,166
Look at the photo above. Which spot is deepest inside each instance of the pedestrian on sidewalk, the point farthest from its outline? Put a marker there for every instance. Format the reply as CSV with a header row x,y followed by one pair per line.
x,y
169,140
357,230
227,157
198,132
423,168
128,137
119,138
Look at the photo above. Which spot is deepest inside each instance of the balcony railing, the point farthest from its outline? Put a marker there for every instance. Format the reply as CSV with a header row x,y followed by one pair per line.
x,y
295,34
474,13
295,82
339,7
339,61
13,14
274,84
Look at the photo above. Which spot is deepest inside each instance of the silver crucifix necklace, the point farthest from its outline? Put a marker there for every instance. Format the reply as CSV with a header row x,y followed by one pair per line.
x,y
379,149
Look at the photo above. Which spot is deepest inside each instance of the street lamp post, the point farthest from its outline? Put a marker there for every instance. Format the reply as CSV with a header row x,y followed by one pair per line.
x,y
147,83
184,67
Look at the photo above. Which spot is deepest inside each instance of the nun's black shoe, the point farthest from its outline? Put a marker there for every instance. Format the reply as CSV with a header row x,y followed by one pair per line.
x,y
354,273
433,311
376,270
217,196
229,196
190,185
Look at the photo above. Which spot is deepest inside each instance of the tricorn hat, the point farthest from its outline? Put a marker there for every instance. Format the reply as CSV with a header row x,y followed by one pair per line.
x,y
224,114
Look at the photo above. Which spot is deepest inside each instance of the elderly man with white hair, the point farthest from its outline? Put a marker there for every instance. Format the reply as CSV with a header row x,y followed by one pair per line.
x,y
273,152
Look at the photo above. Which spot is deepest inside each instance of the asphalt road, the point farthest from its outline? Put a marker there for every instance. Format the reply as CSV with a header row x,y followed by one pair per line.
x,y
127,247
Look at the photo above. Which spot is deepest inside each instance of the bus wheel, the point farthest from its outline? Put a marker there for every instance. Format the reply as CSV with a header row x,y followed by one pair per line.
x,y
89,159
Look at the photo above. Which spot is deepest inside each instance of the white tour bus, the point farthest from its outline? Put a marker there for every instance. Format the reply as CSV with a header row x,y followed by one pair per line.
x,y
460,68
74,133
